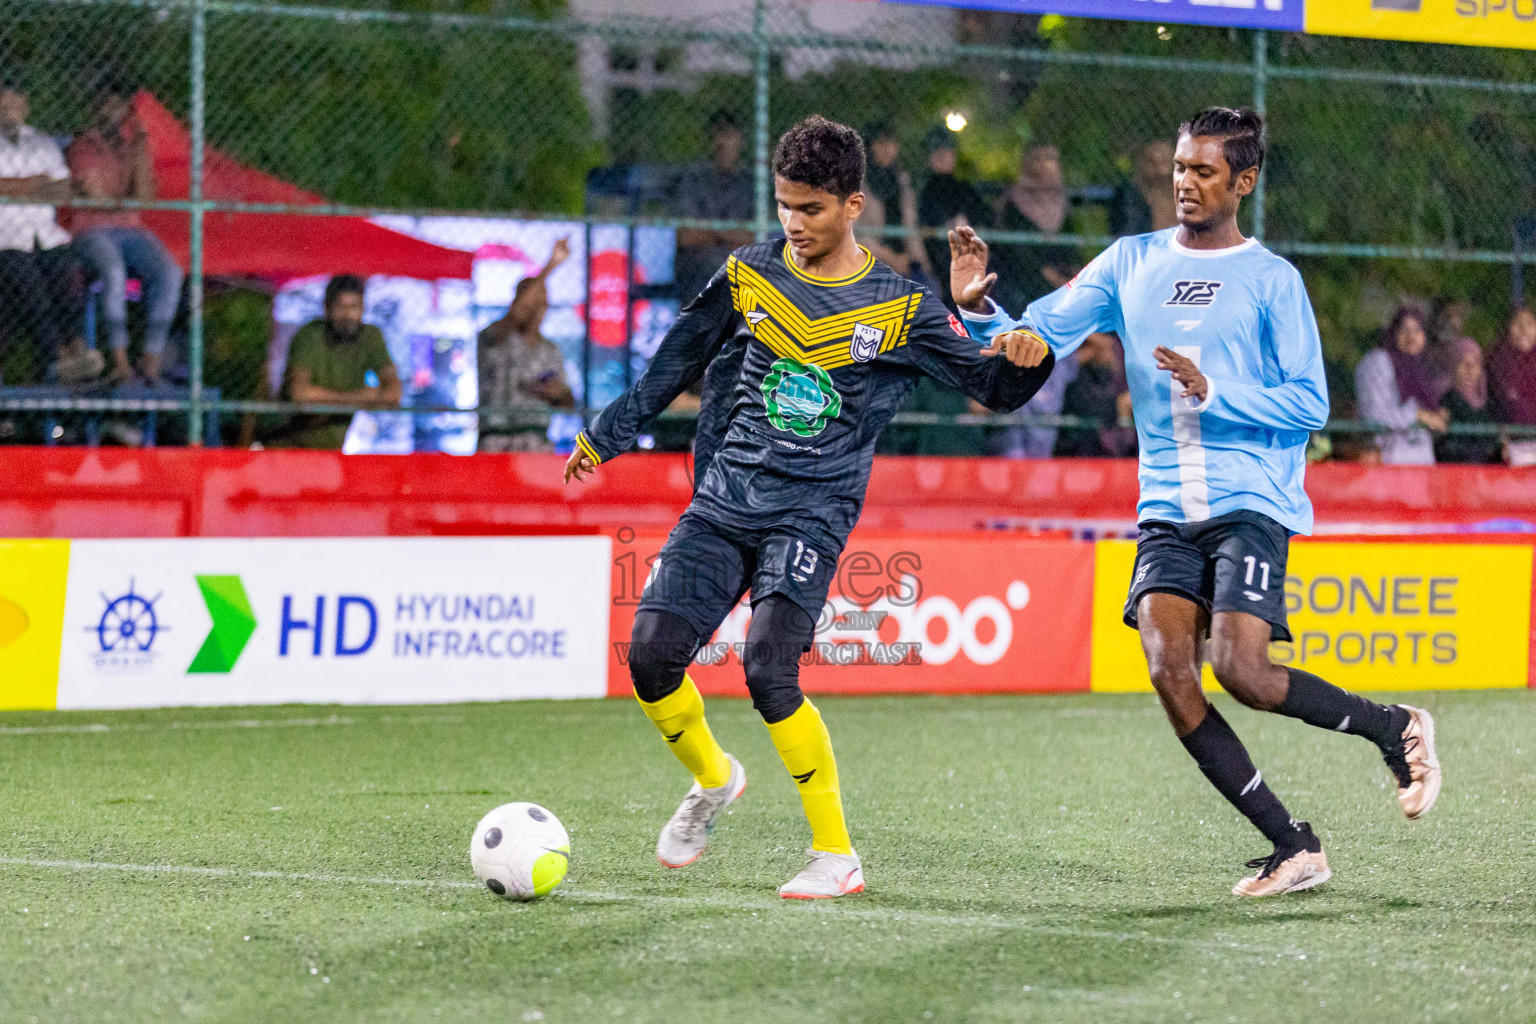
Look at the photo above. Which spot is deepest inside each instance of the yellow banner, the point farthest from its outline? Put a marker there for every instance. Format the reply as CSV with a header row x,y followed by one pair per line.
x,y
1468,22
1364,616
32,578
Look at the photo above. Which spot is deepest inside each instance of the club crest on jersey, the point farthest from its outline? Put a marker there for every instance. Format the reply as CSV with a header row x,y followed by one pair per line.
x,y
1194,293
800,397
866,342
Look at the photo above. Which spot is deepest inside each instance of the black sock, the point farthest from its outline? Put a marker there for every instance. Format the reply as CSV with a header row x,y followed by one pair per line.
x,y
1324,705
1225,761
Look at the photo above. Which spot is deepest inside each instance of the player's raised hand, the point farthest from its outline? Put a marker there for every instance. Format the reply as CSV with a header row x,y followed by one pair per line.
x,y
1184,371
579,466
969,281
1021,348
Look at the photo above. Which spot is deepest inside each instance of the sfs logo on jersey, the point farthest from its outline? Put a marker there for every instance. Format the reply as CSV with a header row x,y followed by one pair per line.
x,y
1194,293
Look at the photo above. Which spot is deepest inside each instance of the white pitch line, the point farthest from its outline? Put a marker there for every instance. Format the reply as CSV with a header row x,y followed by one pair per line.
x,y
897,917
851,911
188,869
235,723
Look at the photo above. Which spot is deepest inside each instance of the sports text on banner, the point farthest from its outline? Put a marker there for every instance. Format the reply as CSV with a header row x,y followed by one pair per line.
x,y
1508,23
1366,616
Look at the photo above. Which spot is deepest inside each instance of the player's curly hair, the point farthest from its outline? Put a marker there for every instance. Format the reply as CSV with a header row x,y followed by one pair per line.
x,y
1241,133
822,154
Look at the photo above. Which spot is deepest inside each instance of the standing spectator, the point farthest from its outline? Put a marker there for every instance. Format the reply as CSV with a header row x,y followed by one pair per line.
x,y
890,199
522,369
1036,201
1145,201
1467,402
1099,393
945,202
719,189
883,176
1447,327
112,161
869,231
1395,387
329,362
1512,369
37,270
904,254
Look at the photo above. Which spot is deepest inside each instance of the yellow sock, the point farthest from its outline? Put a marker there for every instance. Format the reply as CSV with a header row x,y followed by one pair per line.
x,y
680,718
806,749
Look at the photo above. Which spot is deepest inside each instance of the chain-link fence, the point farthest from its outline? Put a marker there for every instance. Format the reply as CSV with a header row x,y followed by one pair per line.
x,y
214,163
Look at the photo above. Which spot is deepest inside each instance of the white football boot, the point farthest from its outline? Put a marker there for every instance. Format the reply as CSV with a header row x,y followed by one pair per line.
x,y
686,833
825,876
1415,765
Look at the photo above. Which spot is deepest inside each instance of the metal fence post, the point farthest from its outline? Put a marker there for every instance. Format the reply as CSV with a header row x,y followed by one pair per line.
x,y
1260,86
195,246
760,118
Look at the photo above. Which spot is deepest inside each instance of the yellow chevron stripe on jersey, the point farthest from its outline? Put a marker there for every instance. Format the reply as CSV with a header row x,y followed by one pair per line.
x,y
780,325
831,356
808,331
829,282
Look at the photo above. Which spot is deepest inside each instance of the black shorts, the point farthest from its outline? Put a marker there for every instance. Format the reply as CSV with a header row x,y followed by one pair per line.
x,y
705,567
1234,563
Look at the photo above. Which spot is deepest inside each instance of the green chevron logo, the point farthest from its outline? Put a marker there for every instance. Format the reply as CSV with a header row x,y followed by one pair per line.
x,y
233,624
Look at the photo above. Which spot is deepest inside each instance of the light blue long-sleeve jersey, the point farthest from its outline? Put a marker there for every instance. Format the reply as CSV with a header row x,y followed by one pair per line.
x,y
1242,315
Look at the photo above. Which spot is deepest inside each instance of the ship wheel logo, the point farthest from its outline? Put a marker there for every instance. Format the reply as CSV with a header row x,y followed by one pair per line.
x,y
128,627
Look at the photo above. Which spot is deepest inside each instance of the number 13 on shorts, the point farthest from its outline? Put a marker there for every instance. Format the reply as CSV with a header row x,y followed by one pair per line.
x,y
804,561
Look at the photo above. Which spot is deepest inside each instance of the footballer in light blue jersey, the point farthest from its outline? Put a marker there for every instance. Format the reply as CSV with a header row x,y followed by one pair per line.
x,y
1242,316
1226,379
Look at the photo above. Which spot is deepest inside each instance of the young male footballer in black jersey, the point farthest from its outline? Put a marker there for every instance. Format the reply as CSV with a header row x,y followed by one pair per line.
x,y
833,342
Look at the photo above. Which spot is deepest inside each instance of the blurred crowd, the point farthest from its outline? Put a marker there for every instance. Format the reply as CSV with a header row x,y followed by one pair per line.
x,y
1437,393
53,262
1427,375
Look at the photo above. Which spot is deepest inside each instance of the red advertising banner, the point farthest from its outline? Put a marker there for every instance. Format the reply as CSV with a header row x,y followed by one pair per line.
x,y
910,613
191,492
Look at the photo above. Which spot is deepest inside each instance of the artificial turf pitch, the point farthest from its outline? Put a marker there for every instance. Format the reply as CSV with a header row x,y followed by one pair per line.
x,y
1028,858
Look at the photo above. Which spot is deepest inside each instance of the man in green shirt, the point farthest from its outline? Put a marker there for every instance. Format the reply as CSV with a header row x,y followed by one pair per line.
x,y
329,361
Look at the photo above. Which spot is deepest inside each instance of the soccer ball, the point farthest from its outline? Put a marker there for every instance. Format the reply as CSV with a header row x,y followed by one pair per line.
x,y
520,851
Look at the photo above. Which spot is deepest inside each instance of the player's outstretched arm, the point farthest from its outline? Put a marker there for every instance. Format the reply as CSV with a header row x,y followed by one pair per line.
x,y
969,282
1021,347
1003,375
694,339
1087,303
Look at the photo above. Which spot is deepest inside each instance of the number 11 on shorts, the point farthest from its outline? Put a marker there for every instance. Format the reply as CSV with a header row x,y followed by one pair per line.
x,y
1264,573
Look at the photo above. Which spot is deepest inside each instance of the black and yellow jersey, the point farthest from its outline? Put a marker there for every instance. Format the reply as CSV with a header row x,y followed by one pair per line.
x,y
823,366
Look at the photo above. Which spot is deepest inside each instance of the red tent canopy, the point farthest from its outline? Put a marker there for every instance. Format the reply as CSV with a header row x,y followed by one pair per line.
x,y
274,245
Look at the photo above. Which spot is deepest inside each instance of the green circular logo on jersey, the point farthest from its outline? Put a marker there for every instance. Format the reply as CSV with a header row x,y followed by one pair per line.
x,y
800,397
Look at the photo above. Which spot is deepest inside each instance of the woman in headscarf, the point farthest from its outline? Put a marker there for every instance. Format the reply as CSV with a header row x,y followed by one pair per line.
x,y
1036,201
1395,386
1467,402
1512,369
